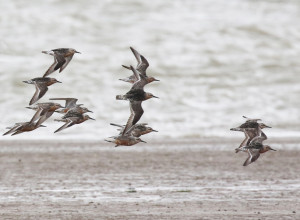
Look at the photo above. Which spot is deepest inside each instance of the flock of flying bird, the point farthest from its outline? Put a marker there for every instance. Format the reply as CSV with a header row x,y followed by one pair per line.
x,y
130,133
253,142
73,113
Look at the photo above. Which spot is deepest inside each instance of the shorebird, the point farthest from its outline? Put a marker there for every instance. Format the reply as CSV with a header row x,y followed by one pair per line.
x,y
74,110
70,102
41,87
62,57
250,123
137,93
21,127
254,149
250,134
142,65
125,140
44,111
75,118
138,129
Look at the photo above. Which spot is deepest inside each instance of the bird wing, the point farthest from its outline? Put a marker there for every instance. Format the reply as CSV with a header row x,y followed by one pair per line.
x,y
141,82
37,114
70,102
40,90
137,55
44,118
14,128
253,155
59,61
142,63
136,113
142,67
69,123
244,143
67,61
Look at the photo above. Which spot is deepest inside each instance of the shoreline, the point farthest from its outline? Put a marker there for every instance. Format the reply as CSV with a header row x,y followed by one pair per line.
x,y
158,181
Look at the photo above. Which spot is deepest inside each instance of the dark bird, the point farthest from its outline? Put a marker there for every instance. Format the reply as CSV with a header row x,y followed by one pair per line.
x,y
137,93
75,118
62,57
142,65
41,87
254,149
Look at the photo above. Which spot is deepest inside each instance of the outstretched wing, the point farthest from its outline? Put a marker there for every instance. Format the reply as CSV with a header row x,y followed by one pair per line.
x,y
40,90
253,155
142,63
136,113
59,61
69,123
70,102
44,118
37,115
67,61
14,128
141,82
142,67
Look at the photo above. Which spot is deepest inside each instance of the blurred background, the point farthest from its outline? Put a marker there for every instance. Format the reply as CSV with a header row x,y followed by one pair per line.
x,y
217,60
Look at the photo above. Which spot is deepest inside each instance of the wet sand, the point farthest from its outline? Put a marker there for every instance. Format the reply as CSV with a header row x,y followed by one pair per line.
x,y
176,180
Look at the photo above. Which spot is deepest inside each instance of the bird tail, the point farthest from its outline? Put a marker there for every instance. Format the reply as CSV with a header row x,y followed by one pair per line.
x,y
28,81
109,141
113,124
235,129
126,67
50,52
121,97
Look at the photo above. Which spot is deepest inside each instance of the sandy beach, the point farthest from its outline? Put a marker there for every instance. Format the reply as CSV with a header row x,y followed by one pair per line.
x,y
175,180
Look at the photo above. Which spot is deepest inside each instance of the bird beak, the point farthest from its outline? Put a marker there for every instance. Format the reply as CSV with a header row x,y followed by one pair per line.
x,y
273,149
93,119
155,97
77,52
143,141
268,126
58,81
90,111
156,80
154,130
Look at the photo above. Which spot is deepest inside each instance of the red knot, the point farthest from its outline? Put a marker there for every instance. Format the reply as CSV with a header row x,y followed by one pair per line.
x,y
142,65
41,87
62,57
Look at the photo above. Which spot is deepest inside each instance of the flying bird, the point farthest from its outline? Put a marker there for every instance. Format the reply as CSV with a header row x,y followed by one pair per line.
x,y
62,58
142,65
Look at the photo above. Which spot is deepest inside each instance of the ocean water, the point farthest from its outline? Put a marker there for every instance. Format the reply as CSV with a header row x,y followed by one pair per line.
x,y
217,60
